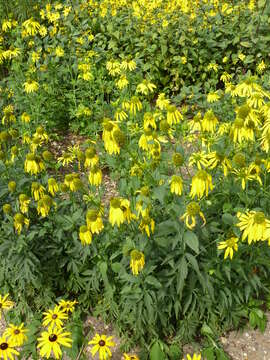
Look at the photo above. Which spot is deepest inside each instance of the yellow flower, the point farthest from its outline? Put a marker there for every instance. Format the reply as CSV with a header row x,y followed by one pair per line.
x,y
33,164
91,158
173,115
149,121
43,31
50,342
241,56
44,205
113,67
225,77
196,123
73,182
5,304
212,66
136,261
122,82
183,60
67,306
194,357
85,235
128,65
66,158
16,334
94,221
95,176
54,317
116,214
120,115
147,224
110,143
102,345
52,186
130,357
25,117
135,105
245,174
192,210
213,97
255,226
59,51
209,121
30,86
37,190
24,203
145,87
19,221
176,185
261,67
230,245
215,159
30,27
201,183
7,208
162,103
6,349
240,132
199,159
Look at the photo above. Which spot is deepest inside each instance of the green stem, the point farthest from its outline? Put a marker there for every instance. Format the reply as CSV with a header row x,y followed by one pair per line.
x,y
84,345
260,17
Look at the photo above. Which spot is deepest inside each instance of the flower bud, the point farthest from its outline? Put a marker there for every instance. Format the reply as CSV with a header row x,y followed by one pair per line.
x,y
12,186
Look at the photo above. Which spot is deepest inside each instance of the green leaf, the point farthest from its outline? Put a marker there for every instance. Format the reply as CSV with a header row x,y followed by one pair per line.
x,y
182,275
151,280
156,353
228,219
191,239
206,330
246,44
209,354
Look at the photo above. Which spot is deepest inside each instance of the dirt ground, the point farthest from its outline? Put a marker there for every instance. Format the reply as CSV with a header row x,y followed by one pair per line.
x,y
248,345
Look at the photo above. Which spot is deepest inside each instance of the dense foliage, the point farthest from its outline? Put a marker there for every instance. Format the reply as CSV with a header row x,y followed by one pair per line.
x,y
158,218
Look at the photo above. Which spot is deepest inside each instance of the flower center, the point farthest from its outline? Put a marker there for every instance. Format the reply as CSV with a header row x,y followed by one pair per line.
x,y
16,331
231,242
101,343
115,203
3,346
136,255
202,175
54,316
259,218
53,337
193,209
239,123
92,215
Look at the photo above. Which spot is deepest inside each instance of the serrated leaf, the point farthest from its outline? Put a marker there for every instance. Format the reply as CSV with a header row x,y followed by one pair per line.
x,y
151,280
191,239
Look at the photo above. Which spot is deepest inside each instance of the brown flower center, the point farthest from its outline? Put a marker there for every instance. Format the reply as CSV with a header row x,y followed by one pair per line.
x,y
16,331
3,346
101,343
54,316
53,337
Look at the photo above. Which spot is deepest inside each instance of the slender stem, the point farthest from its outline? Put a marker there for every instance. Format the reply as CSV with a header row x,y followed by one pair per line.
x,y
84,345
260,17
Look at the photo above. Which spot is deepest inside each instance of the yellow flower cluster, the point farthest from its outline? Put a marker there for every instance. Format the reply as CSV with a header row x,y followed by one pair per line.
x,y
13,336
55,336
